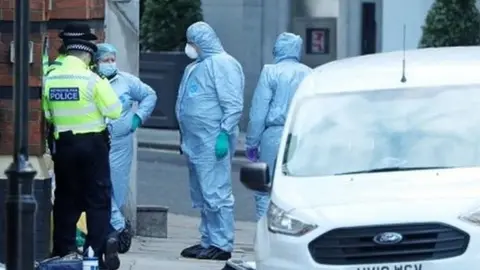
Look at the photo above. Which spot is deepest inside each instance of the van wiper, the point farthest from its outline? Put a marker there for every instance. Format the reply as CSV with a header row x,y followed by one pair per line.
x,y
394,169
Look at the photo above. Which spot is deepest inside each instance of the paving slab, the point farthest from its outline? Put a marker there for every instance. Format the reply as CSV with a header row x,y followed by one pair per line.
x,y
163,253
154,264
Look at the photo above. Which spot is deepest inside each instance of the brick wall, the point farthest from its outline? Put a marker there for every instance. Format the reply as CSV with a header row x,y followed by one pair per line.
x,y
45,22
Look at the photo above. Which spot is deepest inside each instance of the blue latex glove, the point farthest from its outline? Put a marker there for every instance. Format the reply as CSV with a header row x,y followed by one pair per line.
x,y
221,145
136,122
252,154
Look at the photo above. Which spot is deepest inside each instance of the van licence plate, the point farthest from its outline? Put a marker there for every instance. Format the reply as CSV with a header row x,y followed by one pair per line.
x,y
416,266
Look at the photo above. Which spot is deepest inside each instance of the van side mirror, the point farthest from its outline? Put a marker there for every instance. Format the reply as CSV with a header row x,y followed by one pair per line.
x,y
255,176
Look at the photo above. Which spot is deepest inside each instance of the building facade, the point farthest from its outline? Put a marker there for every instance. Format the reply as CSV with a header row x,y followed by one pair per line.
x,y
369,26
332,29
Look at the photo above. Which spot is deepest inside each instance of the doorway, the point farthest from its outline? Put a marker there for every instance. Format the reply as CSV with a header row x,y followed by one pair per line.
x,y
369,28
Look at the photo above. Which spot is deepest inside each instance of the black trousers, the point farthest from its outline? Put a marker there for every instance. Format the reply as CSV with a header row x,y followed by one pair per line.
x,y
51,140
82,179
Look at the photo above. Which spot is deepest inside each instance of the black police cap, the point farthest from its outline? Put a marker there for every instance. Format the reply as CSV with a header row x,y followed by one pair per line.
x,y
80,45
77,31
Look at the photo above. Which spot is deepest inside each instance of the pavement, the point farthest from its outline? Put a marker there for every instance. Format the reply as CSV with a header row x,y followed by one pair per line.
x,y
157,253
163,139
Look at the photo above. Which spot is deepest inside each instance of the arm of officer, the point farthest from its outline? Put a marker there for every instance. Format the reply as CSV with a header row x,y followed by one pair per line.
x,y
107,100
45,64
45,108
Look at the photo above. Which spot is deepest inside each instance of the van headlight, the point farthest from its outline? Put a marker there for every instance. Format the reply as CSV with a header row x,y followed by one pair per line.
x,y
280,222
471,216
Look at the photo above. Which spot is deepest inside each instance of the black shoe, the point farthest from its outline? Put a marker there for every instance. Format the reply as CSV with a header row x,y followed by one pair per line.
x,y
125,238
102,266
192,252
112,262
226,267
214,253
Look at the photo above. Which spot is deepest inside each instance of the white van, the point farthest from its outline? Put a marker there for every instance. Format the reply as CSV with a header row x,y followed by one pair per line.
x,y
376,171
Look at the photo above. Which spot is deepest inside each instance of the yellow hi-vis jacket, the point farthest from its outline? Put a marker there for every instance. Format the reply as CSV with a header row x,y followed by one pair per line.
x,y
58,62
48,67
78,100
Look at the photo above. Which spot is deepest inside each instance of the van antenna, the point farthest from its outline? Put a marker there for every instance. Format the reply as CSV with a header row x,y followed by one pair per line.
x,y
404,78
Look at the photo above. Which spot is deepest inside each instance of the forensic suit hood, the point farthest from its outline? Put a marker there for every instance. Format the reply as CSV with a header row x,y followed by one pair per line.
x,y
287,46
204,37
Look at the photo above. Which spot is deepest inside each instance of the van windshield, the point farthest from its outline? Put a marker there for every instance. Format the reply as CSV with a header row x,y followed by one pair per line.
x,y
373,130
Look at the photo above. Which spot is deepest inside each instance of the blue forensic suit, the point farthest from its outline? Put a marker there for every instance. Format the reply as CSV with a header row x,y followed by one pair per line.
x,y
210,100
129,89
271,100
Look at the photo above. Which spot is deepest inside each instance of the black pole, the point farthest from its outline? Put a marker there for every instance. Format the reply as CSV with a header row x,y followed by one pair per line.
x,y
20,202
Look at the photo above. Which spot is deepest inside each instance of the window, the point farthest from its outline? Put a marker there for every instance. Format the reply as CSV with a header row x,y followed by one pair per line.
x,y
427,127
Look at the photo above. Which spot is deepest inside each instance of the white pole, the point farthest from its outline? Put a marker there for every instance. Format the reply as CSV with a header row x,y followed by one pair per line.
x,y
124,36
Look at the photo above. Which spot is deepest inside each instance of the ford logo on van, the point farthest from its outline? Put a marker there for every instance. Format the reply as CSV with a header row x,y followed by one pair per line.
x,y
388,238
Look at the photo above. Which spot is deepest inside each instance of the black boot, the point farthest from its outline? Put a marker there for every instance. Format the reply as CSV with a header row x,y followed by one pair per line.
x,y
192,252
228,267
125,238
214,253
111,260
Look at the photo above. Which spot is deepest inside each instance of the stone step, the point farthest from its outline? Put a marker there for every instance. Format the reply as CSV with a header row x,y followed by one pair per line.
x,y
152,221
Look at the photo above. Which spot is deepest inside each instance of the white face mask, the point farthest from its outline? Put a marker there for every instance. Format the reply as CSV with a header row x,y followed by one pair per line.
x,y
107,69
191,52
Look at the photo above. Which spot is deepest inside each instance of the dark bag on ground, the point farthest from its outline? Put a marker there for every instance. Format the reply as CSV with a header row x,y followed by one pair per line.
x,y
58,263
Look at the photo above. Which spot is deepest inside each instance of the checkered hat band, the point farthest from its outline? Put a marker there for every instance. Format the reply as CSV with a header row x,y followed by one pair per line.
x,y
72,34
79,47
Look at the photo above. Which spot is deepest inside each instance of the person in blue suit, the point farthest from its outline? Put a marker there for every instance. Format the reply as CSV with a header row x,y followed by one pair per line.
x,y
130,89
208,108
271,100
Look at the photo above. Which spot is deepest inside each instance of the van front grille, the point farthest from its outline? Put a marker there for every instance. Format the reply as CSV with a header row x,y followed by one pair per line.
x,y
421,241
